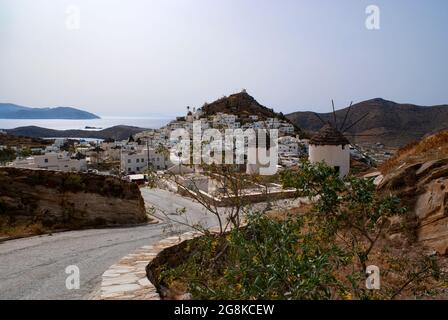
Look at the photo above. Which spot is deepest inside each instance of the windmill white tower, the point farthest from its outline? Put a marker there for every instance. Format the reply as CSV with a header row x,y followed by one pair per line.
x,y
330,145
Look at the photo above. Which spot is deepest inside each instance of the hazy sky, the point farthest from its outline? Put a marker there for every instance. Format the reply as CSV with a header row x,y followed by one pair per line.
x,y
140,57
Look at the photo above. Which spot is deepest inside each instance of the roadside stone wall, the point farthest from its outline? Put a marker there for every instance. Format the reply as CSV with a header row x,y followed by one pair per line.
x,y
128,279
68,200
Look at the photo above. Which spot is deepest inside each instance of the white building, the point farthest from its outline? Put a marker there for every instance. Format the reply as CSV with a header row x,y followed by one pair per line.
x,y
289,145
253,117
112,151
272,123
286,129
61,161
137,161
226,120
331,147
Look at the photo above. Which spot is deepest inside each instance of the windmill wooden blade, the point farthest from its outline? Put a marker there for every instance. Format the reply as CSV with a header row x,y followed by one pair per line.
x,y
356,122
346,115
364,135
334,114
320,118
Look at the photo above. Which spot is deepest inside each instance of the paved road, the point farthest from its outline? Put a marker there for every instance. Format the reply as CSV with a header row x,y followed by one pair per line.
x,y
34,268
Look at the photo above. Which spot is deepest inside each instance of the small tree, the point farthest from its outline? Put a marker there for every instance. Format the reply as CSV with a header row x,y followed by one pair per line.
x,y
229,206
348,211
7,155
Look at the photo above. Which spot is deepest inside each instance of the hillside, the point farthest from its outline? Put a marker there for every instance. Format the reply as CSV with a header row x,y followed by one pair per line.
x,y
390,123
243,105
12,111
27,142
117,132
431,148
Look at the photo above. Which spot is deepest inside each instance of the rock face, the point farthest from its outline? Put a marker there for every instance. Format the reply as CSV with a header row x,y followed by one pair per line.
x,y
68,200
423,186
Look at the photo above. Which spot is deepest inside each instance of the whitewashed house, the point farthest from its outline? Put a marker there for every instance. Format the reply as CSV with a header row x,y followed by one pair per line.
x,y
61,161
225,120
137,161
253,117
286,129
288,145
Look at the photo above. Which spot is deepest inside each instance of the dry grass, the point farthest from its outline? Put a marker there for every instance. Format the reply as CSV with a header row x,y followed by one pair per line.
x,y
18,230
281,214
429,148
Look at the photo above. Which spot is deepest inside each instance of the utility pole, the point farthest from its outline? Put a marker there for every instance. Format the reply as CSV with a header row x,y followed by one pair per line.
x,y
147,153
121,160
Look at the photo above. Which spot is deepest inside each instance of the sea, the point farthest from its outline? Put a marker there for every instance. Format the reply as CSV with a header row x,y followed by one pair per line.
x,y
154,122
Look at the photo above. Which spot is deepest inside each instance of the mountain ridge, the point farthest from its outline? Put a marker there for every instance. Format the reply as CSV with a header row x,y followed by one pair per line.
x,y
388,122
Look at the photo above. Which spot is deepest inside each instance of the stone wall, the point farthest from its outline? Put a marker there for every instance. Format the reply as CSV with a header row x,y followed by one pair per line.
x,y
246,198
68,200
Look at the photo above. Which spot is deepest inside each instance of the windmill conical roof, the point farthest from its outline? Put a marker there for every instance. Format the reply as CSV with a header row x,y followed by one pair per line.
x,y
329,135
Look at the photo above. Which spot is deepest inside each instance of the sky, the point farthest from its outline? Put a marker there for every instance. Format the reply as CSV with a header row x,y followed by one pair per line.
x,y
147,57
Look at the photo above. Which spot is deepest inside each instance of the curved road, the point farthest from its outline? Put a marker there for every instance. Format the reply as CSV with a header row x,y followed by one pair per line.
x,y
34,268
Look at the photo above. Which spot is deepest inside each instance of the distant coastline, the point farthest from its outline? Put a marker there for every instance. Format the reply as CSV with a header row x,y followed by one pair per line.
x,y
149,122
120,132
14,111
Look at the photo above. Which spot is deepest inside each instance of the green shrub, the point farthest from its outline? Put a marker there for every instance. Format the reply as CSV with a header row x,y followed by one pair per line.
x,y
73,183
7,155
320,254
268,259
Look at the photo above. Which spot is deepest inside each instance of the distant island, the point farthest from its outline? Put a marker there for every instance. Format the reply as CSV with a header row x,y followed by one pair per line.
x,y
13,111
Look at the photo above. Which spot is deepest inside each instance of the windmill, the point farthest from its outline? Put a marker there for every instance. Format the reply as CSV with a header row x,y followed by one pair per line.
x,y
331,145
342,128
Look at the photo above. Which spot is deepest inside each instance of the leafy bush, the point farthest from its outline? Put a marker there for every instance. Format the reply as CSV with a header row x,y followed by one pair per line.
x,y
350,206
268,259
74,183
348,211
7,155
321,254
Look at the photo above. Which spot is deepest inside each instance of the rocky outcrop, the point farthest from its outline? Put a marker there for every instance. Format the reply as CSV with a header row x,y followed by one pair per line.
x,y
423,187
68,200
243,105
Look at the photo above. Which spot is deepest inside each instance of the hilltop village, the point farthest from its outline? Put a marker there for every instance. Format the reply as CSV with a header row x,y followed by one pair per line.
x,y
149,150
49,185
